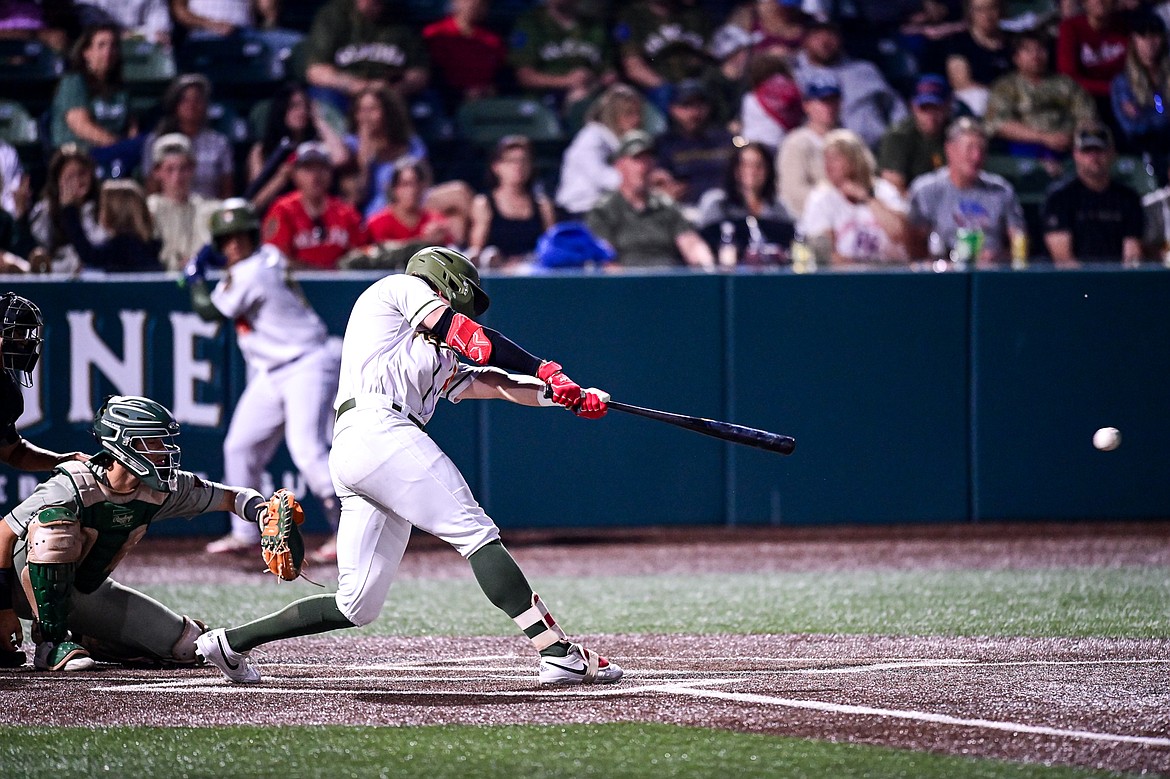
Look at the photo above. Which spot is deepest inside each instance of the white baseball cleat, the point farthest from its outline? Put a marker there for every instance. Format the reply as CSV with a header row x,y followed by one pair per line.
x,y
579,666
230,544
213,647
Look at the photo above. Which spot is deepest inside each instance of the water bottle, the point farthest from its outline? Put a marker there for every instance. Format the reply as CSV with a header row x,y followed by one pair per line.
x,y
728,254
803,259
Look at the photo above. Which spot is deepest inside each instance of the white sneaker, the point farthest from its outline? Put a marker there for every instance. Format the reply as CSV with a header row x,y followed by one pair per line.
x,y
230,544
214,648
63,656
580,666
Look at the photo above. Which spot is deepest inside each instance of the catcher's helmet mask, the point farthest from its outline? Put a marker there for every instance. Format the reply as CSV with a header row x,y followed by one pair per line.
x,y
21,335
140,434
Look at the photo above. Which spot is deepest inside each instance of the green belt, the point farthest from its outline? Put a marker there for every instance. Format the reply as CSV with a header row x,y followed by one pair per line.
x,y
352,402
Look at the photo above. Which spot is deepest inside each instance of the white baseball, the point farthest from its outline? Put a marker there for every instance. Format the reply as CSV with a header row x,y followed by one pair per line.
x,y
1107,439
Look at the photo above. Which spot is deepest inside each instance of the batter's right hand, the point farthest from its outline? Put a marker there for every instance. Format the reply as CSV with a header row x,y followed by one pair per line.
x,y
565,391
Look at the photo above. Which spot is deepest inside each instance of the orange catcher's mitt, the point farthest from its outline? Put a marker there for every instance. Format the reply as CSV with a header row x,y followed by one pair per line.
x,y
280,538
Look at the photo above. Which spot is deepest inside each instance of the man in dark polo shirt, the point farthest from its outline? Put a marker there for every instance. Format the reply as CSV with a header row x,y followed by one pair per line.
x,y
352,46
646,229
695,151
1089,217
914,145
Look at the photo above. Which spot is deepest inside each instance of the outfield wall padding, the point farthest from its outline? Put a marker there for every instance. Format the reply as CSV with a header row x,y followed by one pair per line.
x,y
914,397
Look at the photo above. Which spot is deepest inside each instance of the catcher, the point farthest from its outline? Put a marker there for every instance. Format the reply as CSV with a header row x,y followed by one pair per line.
x,y
80,523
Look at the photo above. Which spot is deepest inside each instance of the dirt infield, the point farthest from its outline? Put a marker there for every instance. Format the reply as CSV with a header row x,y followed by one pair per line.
x,y
1085,702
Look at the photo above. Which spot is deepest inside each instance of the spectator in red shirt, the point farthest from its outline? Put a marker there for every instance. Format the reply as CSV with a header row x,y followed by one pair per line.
x,y
404,219
1091,48
466,55
310,226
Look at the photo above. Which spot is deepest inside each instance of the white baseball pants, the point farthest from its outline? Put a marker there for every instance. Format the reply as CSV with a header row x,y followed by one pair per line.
x,y
390,477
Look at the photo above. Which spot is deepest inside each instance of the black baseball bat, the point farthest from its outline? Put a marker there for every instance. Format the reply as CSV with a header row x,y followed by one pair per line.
x,y
725,431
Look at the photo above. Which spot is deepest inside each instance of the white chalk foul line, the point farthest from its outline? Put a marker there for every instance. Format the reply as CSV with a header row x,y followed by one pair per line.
x,y
920,716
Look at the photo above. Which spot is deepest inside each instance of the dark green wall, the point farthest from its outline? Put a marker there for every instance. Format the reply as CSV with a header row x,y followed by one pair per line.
x,y
914,397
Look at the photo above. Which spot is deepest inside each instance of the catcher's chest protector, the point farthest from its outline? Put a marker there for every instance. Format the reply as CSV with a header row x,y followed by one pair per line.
x,y
119,525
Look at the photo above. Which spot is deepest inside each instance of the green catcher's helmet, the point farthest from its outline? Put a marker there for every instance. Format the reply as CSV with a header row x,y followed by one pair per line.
x,y
234,215
140,434
453,276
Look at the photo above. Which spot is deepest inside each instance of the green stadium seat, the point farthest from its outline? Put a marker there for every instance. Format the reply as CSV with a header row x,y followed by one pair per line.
x,y
1137,173
483,122
147,68
1026,175
223,118
17,125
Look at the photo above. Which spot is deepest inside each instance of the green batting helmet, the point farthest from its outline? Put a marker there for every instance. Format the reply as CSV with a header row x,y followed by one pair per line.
x,y
453,276
234,215
140,434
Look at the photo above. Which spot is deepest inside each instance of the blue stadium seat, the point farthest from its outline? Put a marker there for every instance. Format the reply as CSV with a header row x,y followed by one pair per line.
x,y
29,71
237,67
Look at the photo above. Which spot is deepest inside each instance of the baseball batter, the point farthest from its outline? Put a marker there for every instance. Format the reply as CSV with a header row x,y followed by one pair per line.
x,y
292,367
402,353
80,523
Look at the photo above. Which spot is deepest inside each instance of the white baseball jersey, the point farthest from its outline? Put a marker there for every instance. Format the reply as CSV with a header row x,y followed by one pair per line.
x,y
389,474
275,325
385,354
292,379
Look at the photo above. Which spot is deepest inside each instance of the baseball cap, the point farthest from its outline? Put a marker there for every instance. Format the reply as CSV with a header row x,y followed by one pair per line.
x,y
632,144
822,89
731,38
1092,135
171,143
311,152
689,91
931,89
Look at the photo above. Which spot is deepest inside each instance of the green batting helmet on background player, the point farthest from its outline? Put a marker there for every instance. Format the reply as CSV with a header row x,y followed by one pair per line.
x,y
127,425
453,276
234,215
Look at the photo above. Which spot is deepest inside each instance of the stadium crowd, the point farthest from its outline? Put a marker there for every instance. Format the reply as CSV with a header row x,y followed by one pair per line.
x,y
559,132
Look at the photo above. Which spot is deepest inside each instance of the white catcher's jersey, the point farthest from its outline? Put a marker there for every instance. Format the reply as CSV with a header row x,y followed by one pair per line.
x,y
384,352
275,325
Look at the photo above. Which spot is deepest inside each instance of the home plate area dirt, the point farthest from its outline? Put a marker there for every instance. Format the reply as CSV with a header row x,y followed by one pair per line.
x,y
1085,702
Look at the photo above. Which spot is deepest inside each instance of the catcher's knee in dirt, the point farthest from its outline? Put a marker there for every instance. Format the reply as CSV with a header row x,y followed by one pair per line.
x,y
55,546
183,651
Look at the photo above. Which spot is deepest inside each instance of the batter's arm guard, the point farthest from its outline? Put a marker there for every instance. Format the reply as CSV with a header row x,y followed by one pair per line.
x,y
482,345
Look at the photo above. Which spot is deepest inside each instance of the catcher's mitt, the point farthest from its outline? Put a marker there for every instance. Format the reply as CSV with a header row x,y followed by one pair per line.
x,y
280,540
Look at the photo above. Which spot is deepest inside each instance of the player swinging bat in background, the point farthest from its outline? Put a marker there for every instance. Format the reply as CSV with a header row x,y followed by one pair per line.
x,y
402,353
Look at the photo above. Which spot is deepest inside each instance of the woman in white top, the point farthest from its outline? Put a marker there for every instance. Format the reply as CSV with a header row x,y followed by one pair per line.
x,y
854,216
586,173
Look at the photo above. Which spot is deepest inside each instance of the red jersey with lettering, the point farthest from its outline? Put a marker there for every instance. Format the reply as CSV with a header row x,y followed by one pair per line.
x,y
385,226
315,243
1091,57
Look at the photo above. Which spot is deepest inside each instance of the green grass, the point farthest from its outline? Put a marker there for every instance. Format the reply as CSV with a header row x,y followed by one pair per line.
x,y
1132,602
611,751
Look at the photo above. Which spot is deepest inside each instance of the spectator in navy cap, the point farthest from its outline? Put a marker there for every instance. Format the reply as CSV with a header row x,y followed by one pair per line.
x,y
915,145
868,103
800,165
694,151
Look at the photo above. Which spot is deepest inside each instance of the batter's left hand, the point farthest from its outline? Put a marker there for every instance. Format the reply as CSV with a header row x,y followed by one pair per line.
x,y
594,403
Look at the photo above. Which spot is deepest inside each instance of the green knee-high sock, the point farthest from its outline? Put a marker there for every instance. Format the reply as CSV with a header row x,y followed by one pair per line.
x,y
315,614
504,584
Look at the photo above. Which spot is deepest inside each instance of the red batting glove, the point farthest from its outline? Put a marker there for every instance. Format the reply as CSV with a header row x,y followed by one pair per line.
x,y
565,391
594,404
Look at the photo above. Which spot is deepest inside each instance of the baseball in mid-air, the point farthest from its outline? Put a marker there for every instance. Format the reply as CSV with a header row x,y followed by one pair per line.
x,y
1107,439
